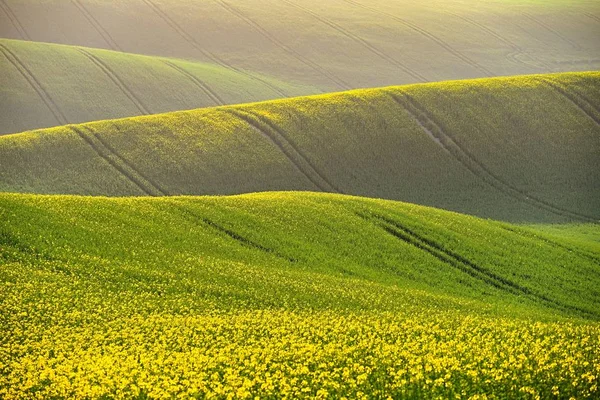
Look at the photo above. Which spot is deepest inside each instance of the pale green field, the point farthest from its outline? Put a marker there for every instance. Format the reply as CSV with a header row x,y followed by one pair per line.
x,y
522,149
43,85
333,44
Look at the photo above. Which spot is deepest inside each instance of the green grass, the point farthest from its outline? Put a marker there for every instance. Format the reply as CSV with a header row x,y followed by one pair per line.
x,y
275,293
521,149
45,85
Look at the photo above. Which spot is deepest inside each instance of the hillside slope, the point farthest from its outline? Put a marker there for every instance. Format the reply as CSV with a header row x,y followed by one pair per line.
x,y
334,44
523,149
298,293
43,85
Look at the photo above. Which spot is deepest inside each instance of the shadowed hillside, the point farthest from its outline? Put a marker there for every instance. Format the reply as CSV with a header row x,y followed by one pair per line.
x,y
523,149
43,85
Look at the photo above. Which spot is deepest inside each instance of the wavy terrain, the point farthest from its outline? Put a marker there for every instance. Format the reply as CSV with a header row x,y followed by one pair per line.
x,y
331,45
44,85
182,296
522,149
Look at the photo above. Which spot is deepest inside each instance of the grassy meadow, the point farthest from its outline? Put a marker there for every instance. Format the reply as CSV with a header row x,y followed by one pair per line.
x,y
522,149
44,85
213,296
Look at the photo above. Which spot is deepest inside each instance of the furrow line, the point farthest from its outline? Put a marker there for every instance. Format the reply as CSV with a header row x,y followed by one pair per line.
x,y
592,16
14,20
552,30
296,148
148,182
106,157
207,54
231,234
116,80
251,120
283,46
577,100
35,84
361,41
456,260
476,167
97,26
428,35
201,85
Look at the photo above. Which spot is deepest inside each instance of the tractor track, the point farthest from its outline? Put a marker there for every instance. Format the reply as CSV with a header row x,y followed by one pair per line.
x,y
14,20
197,82
552,30
361,41
428,35
91,139
207,54
290,150
116,80
478,169
322,71
97,26
463,264
577,100
35,84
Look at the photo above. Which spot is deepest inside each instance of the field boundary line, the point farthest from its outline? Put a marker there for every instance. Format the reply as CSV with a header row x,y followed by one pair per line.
x,y
408,103
116,80
575,98
188,38
35,84
361,41
201,85
321,70
14,20
229,233
427,34
457,261
97,26
275,136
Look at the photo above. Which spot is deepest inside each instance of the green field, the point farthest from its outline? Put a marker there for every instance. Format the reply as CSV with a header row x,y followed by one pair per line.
x,y
521,149
195,296
43,85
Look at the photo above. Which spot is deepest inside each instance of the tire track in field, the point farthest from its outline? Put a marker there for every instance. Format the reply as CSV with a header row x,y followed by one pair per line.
x,y
199,84
35,84
551,30
361,41
322,71
463,264
592,16
440,42
14,20
116,80
577,100
111,156
244,241
188,38
287,147
97,26
516,49
478,169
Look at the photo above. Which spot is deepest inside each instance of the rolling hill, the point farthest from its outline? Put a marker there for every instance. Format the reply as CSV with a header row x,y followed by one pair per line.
x,y
330,45
522,149
44,85
300,293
